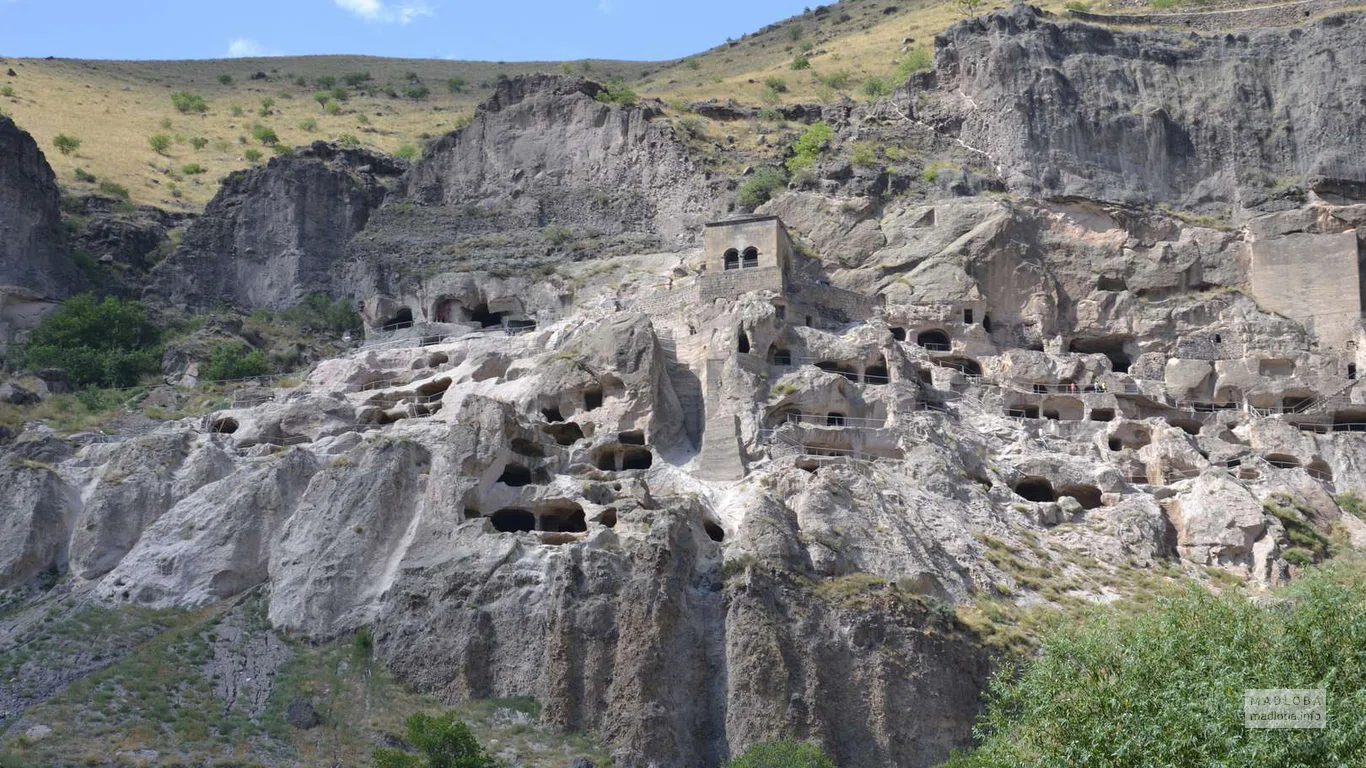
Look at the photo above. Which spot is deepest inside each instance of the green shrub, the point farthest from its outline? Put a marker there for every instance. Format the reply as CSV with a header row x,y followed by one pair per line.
x,y
1165,687
417,92
771,115
1077,5
252,155
322,97
264,134
84,176
1352,504
192,169
456,84
332,108
616,91
66,144
186,102
355,79
362,118
108,343
864,155
225,79
784,753
308,124
838,80
692,64
7,91
776,84
159,143
875,87
340,94
809,146
114,190
557,234
348,140
326,82
800,62
235,110
199,142
917,60
440,741
760,186
233,360
319,313
408,152
267,107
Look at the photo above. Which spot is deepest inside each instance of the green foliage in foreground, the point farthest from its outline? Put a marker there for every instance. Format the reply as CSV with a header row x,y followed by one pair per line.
x,y
782,754
108,343
442,741
233,360
760,187
319,313
809,146
1165,688
617,92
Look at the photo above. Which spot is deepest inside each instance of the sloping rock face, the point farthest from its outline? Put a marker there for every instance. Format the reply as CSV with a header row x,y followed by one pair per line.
x,y
273,235
1075,109
31,252
544,172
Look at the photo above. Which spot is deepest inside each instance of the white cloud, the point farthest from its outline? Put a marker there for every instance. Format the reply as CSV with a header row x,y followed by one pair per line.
x,y
381,12
244,48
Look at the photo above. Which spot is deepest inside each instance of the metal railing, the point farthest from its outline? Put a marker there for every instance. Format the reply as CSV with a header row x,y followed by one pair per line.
x,y
848,422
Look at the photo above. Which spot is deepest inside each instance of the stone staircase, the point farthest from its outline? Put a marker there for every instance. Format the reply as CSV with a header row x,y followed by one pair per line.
x,y
721,459
687,387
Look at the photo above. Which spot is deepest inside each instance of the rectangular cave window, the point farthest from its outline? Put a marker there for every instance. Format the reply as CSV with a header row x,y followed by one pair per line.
x,y
780,312
967,317
592,399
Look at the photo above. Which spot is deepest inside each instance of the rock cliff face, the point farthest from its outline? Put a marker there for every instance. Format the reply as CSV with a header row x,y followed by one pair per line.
x,y
273,235
34,264
1067,108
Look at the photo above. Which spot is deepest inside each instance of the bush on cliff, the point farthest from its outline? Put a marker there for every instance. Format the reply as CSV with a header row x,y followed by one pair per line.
x,y
233,360
1166,687
108,343
760,187
784,753
440,741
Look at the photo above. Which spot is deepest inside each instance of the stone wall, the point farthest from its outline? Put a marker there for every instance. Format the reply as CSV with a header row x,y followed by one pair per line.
x,y
728,285
1284,15
764,233
855,306
1312,279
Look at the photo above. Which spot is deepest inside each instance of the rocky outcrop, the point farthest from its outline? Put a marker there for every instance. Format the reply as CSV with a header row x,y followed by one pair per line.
x,y
275,234
1066,108
32,255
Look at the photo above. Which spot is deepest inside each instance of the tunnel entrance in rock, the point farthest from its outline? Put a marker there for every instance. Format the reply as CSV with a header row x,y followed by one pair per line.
x,y
1088,496
524,447
1295,404
877,373
934,340
637,458
1282,461
1035,489
1102,414
608,517
564,432
964,365
552,415
515,476
846,371
449,310
742,345
834,419
1023,412
633,437
606,460
592,399
565,517
433,388
899,334
513,521
1189,426
401,319
714,532
1349,421
1110,346
1116,444
778,356
224,426
485,318
1110,283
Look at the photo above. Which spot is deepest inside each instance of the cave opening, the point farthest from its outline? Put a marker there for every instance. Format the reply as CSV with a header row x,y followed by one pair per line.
x,y
834,419
637,458
1282,461
714,532
608,517
899,334
877,373
515,476
1110,346
1087,495
743,345
779,356
552,415
933,339
485,318
846,371
1319,469
565,517
1102,414
513,521
524,447
592,399
1035,489
606,460
224,426
633,437
401,319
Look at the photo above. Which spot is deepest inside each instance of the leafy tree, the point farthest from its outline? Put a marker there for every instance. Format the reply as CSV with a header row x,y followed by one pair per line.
x,y
968,8
319,313
616,91
784,753
252,155
264,134
308,124
809,146
354,79
114,189
1165,687
408,152
108,343
876,87
322,97
441,742
326,82
225,79
66,144
917,60
457,84
760,186
233,360
199,142
186,102
800,62
417,92
159,143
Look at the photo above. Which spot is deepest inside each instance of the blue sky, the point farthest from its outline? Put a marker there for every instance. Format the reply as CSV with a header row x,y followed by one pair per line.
x,y
498,30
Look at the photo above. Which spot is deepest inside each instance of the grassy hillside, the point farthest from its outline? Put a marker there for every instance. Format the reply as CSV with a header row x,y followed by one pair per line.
x,y
115,108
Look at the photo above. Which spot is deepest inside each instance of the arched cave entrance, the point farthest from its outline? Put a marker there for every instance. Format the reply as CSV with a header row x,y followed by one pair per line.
x,y
224,426
1087,495
934,340
1110,346
1035,489
563,517
564,432
637,458
742,346
485,318
515,476
401,319
877,373
778,356
513,521
714,532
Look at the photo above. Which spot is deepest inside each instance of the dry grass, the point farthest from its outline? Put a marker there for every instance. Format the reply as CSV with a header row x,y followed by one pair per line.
x,y
115,106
